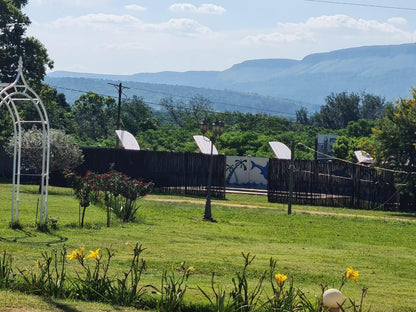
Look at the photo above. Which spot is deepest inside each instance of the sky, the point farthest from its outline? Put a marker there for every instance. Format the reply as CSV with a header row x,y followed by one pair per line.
x,y
145,36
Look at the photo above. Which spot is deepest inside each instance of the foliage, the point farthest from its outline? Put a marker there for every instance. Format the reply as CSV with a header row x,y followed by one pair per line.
x,y
92,282
342,108
5,270
84,189
394,143
14,44
64,152
58,110
136,116
49,277
121,193
188,115
173,289
127,291
95,116
345,146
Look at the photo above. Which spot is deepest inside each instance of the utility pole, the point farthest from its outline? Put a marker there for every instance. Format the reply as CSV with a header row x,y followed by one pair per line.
x,y
291,173
120,88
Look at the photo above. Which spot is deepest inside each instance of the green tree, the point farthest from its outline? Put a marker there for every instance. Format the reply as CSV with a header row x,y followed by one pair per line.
x,y
95,117
394,142
372,106
136,116
58,110
14,44
338,111
188,115
64,152
302,116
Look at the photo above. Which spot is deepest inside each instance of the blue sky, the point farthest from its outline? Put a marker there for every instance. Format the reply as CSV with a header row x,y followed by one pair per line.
x,y
136,36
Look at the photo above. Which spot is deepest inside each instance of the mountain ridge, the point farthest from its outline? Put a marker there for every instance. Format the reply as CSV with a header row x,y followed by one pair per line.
x,y
385,70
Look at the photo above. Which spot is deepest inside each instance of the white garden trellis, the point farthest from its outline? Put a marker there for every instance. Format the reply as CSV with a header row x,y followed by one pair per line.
x,y
11,95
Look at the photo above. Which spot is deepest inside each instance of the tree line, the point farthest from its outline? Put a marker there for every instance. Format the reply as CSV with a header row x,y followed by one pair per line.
x,y
363,121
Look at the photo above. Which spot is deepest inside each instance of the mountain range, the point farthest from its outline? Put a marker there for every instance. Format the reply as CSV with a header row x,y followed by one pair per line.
x,y
275,86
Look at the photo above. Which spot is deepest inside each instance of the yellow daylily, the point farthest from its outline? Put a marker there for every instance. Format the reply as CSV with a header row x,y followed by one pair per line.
x,y
280,279
82,252
73,255
94,254
351,274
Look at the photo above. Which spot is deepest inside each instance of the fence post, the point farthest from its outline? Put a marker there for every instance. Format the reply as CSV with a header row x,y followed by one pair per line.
x,y
291,172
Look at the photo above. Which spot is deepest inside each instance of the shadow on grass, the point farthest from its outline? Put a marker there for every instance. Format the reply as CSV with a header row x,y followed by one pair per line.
x,y
60,306
55,239
403,215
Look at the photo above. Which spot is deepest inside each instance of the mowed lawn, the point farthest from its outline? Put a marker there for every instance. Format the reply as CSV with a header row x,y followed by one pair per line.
x,y
312,246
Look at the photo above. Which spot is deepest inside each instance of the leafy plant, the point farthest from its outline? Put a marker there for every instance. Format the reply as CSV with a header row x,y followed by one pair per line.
x,y
244,298
49,277
84,188
5,270
127,292
95,284
173,290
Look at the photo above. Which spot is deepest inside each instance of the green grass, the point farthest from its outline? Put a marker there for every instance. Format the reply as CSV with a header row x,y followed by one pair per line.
x,y
313,245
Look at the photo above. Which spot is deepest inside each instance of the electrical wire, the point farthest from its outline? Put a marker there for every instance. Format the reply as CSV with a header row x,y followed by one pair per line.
x,y
353,163
364,5
181,96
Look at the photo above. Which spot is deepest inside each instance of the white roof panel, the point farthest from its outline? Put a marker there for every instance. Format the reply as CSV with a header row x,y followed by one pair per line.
x,y
128,140
363,157
280,150
204,145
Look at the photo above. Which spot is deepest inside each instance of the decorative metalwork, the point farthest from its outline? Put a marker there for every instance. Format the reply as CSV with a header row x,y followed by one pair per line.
x,y
11,95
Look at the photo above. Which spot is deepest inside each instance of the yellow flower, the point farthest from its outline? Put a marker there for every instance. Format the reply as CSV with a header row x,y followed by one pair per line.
x,y
37,264
280,279
73,255
94,254
82,252
190,270
351,274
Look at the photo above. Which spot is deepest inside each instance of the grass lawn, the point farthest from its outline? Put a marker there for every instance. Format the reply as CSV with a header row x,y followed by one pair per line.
x,y
314,245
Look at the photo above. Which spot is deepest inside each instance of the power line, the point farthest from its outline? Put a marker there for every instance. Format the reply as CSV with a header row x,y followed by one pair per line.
x,y
364,5
268,111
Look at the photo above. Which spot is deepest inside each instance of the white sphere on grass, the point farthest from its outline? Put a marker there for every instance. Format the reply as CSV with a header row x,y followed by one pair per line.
x,y
332,298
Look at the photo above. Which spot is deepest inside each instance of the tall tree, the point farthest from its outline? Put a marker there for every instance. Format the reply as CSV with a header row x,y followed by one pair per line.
x,y
95,116
136,116
339,109
188,115
14,44
394,142
372,106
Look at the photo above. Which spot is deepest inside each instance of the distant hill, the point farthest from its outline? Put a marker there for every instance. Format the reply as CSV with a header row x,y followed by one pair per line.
x,y
276,85
223,100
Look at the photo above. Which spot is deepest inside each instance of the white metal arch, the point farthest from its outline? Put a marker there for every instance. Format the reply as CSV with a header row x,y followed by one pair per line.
x,y
11,95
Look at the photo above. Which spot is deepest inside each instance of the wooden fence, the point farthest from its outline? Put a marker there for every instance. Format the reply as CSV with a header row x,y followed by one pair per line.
x,y
333,183
170,171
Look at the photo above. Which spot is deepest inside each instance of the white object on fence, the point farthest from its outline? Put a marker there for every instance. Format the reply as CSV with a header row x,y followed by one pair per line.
x,y
280,150
128,140
204,145
363,157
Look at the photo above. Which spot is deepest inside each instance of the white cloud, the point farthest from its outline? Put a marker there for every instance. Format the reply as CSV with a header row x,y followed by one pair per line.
x,y
129,24
325,27
95,21
203,9
184,26
397,21
134,7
